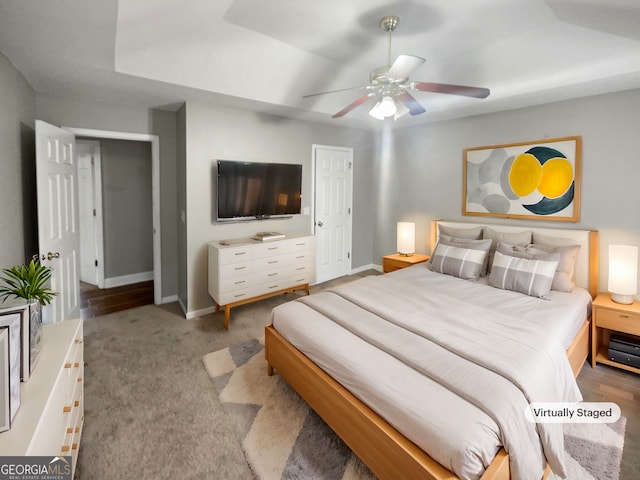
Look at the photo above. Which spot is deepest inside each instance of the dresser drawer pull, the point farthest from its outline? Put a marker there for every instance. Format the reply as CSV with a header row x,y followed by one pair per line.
x,y
273,248
76,403
301,244
272,261
624,316
301,256
240,253
76,365
239,295
66,409
74,446
79,379
240,268
239,282
67,365
300,280
301,268
272,274
65,448
272,286
69,430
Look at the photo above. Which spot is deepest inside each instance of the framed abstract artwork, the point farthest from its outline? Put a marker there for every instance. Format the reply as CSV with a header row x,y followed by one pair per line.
x,y
539,180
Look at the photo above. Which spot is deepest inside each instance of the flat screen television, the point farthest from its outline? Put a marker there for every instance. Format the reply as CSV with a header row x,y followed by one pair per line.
x,y
253,190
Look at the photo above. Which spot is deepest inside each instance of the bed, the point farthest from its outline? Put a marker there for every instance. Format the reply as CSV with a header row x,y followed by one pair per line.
x,y
385,439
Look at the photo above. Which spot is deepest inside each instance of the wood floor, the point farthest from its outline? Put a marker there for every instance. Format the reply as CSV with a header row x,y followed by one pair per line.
x,y
95,301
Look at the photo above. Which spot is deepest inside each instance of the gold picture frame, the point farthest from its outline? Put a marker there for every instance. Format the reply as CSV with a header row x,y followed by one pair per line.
x,y
533,180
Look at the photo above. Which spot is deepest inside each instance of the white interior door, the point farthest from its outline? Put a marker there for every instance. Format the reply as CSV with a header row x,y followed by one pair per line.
x,y
333,193
58,227
90,211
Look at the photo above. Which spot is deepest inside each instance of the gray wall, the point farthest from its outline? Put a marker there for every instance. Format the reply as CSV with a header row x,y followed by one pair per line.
x,y
422,177
217,133
18,229
127,207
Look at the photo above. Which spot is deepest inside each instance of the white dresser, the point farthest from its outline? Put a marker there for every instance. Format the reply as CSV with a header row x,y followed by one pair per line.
x,y
245,270
50,418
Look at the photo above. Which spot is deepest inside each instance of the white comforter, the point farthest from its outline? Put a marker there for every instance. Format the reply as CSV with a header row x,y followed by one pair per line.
x,y
481,356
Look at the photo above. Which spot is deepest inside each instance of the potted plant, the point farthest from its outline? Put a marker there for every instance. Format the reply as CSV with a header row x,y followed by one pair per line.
x,y
28,281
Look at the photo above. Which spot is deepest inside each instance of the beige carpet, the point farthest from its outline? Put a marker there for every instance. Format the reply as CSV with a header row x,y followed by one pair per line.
x,y
283,439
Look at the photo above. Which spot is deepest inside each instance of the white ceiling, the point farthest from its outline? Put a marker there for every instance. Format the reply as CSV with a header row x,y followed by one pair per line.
x,y
265,55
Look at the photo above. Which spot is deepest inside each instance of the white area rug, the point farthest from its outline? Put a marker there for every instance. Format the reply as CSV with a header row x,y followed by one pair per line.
x,y
284,439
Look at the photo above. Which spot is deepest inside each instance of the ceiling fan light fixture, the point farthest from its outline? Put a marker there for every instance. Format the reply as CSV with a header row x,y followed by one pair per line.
x,y
384,108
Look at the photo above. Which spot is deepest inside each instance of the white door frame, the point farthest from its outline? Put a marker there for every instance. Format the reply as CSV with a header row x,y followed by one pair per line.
x,y
155,188
314,148
97,219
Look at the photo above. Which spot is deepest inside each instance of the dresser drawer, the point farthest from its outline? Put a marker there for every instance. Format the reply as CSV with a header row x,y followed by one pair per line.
x,y
272,286
232,270
303,244
271,263
275,274
270,249
234,254
615,320
302,256
235,296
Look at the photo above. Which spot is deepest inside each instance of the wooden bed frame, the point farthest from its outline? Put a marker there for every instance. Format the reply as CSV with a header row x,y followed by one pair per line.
x,y
380,446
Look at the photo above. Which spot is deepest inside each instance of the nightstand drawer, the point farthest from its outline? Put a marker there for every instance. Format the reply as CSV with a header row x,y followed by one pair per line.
x,y
619,321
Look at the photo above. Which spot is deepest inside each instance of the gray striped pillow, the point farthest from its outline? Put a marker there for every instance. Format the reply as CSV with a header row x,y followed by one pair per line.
x,y
530,274
460,257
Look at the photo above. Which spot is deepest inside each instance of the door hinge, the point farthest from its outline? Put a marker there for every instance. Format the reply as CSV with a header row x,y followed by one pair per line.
x,y
349,210
94,212
348,254
96,263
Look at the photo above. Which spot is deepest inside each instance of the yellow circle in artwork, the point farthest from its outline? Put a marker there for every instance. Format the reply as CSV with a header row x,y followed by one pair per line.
x,y
525,174
557,175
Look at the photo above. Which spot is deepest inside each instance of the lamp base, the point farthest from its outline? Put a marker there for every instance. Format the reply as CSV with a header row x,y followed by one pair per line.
x,y
624,299
405,254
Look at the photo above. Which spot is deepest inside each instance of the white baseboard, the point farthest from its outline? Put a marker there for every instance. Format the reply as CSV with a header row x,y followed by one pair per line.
x,y
199,313
169,299
128,279
371,266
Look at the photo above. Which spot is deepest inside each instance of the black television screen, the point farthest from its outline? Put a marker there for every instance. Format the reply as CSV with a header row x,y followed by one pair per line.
x,y
252,190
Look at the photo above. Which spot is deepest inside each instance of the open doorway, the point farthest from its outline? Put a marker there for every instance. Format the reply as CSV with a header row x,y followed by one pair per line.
x,y
109,276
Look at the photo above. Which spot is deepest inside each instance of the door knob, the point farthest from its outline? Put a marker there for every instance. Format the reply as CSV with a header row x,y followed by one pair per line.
x,y
51,255
320,224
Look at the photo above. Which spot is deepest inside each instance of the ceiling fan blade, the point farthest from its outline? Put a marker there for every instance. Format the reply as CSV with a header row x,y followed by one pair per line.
x,y
353,105
411,103
403,66
366,87
475,92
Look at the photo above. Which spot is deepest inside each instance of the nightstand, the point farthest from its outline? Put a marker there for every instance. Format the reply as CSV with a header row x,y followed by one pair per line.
x,y
396,261
610,317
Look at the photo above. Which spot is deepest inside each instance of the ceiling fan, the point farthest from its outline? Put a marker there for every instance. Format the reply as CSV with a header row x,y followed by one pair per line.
x,y
391,85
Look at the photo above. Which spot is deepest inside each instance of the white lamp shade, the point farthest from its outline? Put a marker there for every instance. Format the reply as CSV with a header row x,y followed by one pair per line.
x,y
406,238
383,109
623,273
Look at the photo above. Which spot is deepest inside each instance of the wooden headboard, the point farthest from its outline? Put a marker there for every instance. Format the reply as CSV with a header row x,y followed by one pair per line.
x,y
586,275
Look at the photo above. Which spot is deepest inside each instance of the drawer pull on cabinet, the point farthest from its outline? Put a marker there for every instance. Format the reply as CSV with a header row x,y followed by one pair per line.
x,y
65,448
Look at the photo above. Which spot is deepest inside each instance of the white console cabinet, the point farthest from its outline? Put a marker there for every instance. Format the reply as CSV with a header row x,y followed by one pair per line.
x,y
245,270
51,414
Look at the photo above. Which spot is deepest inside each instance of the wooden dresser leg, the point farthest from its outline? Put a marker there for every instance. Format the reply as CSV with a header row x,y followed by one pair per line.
x,y
269,370
227,314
